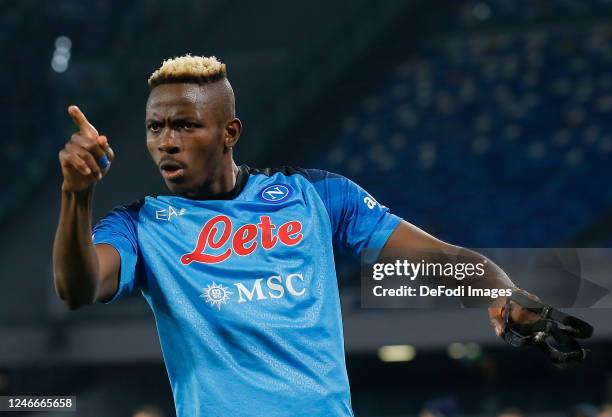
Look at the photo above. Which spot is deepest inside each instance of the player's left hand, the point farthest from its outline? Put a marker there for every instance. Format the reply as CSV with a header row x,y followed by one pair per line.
x,y
518,314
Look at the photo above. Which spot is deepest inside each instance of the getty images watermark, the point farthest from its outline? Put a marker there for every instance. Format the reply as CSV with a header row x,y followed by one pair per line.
x,y
458,271
426,278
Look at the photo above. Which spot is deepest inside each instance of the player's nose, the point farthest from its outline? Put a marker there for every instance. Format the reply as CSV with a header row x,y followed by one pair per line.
x,y
169,143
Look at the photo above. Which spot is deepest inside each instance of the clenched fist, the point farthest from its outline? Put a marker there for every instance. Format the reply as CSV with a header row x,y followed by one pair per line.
x,y
86,157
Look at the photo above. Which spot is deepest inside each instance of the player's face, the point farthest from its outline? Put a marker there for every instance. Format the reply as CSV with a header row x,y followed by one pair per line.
x,y
185,137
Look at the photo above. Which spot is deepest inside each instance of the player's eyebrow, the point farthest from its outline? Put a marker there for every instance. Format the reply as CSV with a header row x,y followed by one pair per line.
x,y
176,117
177,120
190,120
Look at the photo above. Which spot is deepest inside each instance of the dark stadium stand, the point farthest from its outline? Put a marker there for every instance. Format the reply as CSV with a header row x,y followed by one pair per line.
x,y
495,139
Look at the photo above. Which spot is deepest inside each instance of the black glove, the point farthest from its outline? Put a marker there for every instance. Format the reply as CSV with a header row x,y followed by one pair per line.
x,y
554,332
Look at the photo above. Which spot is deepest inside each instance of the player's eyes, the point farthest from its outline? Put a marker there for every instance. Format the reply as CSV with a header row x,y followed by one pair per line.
x,y
186,125
153,127
156,127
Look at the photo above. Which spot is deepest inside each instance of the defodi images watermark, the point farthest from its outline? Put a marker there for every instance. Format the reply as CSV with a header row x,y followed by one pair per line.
x,y
431,278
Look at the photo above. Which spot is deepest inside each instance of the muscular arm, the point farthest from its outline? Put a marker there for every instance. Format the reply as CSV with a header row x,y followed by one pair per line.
x,y
82,273
409,237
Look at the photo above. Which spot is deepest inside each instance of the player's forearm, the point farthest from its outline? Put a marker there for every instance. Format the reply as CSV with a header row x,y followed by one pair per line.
x,y
485,274
408,242
493,278
75,262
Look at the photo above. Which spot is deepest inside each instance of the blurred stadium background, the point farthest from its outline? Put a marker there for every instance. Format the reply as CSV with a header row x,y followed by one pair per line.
x,y
487,123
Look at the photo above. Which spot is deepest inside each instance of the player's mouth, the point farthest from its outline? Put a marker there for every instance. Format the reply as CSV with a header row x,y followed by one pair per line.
x,y
171,170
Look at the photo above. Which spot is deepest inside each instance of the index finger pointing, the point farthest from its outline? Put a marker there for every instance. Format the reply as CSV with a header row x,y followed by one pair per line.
x,y
81,121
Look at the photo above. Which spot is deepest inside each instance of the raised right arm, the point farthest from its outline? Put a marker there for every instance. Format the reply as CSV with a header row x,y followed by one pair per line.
x,y
82,273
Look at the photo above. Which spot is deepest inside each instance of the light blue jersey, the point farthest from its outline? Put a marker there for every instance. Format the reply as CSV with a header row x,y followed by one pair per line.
x,y
244,289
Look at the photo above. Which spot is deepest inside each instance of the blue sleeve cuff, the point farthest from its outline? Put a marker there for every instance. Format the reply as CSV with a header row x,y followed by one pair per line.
x,y
379,238
382,233
126,282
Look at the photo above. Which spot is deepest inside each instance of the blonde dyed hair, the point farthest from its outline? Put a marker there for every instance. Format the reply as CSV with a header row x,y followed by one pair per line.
x,y
188,69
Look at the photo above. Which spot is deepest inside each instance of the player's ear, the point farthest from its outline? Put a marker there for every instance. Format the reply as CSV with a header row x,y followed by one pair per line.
x,y
233,129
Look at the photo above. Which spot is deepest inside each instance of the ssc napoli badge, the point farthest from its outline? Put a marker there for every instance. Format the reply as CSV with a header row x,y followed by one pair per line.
x,y
275,193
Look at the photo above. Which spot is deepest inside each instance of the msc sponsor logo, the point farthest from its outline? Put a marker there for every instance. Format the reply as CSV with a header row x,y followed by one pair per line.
x,y
275,193
274,287
216,294
218,234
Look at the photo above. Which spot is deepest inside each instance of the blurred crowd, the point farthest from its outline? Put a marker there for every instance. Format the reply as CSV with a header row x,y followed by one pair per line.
x,y
447,407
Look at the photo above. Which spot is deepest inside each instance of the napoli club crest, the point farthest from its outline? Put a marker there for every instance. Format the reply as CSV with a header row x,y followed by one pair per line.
x,y
275,193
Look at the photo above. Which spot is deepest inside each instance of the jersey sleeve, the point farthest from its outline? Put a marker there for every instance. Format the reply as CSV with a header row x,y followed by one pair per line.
x,y
358,221
118,229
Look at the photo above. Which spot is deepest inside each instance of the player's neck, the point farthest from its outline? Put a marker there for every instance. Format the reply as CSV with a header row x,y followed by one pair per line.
x,y
220,187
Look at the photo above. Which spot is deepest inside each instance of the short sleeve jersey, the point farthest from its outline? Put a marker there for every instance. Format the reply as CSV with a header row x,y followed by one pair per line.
x,y
244,290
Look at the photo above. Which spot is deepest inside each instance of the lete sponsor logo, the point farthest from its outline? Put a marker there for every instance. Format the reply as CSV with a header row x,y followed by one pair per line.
x,y
242,241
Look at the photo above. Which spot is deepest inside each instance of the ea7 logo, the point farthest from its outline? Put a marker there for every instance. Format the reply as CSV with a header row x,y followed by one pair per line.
x,y
167,214
274,288
275,193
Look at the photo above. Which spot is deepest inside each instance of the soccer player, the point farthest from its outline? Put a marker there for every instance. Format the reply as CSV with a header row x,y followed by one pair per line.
x,y
236,263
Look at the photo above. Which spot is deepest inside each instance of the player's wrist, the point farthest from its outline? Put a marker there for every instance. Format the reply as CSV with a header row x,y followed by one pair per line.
x,y
80,195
